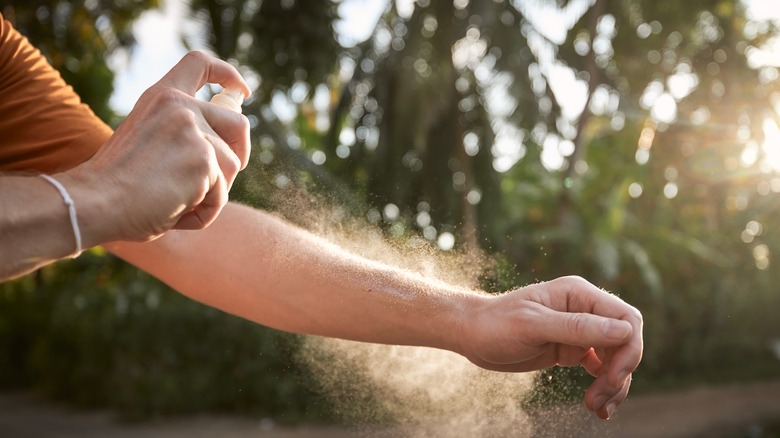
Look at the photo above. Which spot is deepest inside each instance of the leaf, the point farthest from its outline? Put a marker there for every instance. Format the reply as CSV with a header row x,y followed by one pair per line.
x,y
647,269
695,246
607,257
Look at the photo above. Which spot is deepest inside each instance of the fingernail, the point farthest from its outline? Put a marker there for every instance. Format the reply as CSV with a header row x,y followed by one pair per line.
x,y
610,410
599,402
616,330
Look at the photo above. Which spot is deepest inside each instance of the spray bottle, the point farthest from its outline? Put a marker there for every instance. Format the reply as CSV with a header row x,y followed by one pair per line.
x,y
229,98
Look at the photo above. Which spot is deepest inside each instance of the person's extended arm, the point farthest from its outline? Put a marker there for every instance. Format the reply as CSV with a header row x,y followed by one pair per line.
x,y
169,165
257,266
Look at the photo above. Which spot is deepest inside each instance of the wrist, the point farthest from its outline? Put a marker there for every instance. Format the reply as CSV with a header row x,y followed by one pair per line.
x,y
72,215
94,208
465,310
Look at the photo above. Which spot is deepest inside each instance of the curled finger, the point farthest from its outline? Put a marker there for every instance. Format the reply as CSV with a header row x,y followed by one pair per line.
x,y
608,409
196,69
231,127
228,162
592,363
208,209
625,359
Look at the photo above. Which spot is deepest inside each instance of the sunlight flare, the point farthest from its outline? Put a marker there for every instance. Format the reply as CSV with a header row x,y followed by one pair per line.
x,y
771,145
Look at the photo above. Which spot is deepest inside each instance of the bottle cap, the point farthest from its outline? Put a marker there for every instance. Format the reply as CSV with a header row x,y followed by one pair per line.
x,y
229,98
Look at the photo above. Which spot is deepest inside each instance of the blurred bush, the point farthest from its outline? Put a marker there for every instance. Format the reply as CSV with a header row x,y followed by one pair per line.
x,y
447,116
97,332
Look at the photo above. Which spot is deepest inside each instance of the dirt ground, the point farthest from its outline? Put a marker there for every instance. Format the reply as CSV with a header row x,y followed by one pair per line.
x,y
723,411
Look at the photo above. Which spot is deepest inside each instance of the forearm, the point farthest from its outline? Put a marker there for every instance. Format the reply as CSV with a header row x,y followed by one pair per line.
x,y
259,267
35,227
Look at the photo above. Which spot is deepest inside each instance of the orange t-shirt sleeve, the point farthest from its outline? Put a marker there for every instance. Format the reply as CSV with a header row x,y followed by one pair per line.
x,y
43,124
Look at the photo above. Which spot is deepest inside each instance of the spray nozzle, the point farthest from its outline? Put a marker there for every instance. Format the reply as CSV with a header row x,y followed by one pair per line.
x,y
230,98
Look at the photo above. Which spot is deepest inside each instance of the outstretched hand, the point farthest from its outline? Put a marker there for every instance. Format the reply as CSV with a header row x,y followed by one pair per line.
x,y
171,163
566,322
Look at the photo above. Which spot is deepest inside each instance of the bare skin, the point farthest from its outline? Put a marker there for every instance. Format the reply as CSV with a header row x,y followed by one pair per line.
x,y
168,168
170,140
297,282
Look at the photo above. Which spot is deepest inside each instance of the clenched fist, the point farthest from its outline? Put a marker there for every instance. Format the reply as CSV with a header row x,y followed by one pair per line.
x,y
171,163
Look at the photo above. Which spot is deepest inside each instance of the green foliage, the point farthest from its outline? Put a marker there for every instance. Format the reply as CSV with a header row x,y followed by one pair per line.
x,y
283,41
557,385
97,332
78,37
424,139
669,211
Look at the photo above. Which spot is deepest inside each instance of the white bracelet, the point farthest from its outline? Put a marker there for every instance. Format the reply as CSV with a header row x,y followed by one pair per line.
x,y
74,222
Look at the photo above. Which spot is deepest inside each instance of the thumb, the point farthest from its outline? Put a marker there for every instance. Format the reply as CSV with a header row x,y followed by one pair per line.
x,y
584,329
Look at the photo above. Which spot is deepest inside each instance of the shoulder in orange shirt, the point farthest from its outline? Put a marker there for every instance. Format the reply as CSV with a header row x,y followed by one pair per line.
x,y
43,124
